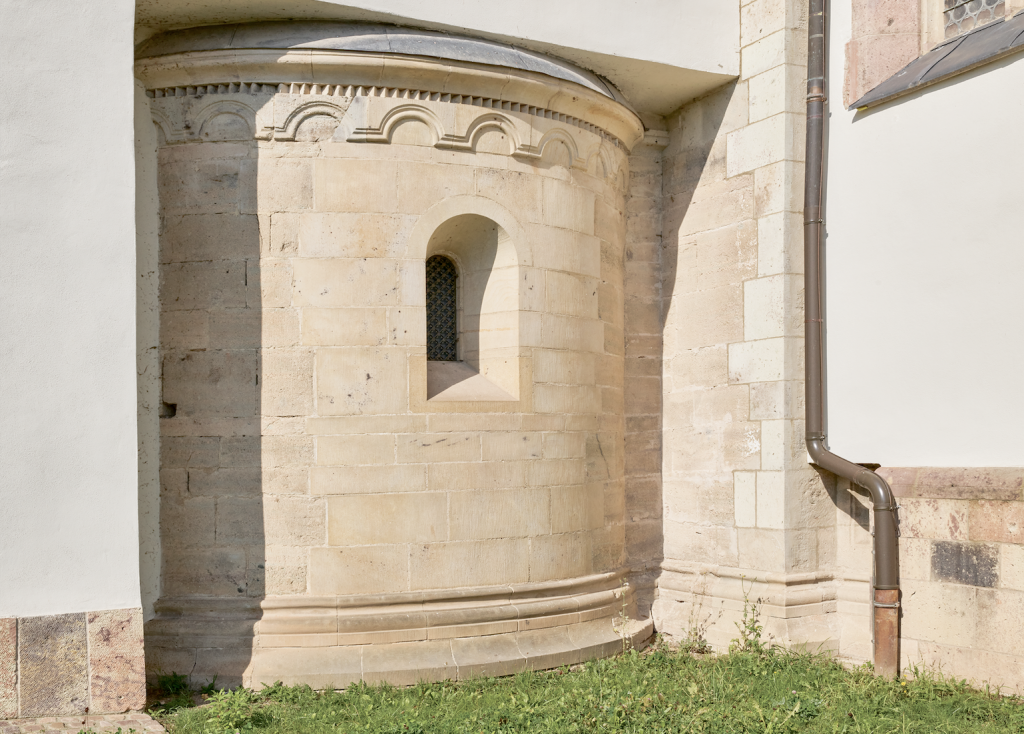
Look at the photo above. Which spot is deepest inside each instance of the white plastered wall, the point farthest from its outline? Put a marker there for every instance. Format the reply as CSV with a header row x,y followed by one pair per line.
x,y
926,270
68,469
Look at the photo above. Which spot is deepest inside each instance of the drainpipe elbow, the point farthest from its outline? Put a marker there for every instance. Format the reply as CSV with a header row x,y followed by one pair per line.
x,y
881,494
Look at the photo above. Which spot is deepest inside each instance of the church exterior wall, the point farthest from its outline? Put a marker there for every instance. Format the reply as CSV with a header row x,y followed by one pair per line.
x,y
892,257
938,409
311,511
745,517
68,525
316,500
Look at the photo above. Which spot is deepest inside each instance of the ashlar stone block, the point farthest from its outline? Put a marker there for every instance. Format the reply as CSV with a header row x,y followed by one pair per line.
x,y
376,569
361,381
437,447
200,237
117,665
513,513
8,668
220,383
358,186
420,517
344,327
286,384
53,665
203,285
345,283
355,449
368,479
745,498
470,563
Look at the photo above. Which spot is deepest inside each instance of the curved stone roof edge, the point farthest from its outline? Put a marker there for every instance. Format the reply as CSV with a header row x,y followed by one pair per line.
x,y
371,38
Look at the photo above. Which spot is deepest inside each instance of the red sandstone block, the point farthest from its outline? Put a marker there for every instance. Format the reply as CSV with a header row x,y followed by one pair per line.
x,y
902,481
1001,483
872,17
8,668
979,483
116,661
1001,522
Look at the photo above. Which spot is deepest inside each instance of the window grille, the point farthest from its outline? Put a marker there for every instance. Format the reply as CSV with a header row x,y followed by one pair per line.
x,y
442,330
963,15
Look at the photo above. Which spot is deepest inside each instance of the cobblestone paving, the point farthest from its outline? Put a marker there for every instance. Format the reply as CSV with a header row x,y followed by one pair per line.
x,y
139,723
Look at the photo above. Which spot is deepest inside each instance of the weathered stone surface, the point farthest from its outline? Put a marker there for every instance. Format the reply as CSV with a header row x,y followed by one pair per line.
x,y
221,383
53,665
117,663
8,668
1000,522
294,465
975,564
999,483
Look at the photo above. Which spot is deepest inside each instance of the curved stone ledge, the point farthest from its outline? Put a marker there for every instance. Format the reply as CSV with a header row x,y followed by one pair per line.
x,y
355,74
347,621
369,38
408,663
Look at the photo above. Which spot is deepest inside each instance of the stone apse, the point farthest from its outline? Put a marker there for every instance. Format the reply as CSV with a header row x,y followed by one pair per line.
x,y
336,506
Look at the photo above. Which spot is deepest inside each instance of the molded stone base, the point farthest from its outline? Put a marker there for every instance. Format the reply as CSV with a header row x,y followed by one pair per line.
x,y
407,663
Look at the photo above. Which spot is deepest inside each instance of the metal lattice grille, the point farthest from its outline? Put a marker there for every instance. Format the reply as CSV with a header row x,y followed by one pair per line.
x,y
442,330
963,15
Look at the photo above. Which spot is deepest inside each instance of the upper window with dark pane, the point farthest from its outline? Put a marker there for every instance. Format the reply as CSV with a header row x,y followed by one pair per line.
x,y
961,16
442,327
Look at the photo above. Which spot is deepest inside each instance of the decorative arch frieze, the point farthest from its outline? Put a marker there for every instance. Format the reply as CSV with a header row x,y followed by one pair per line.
x,y
203,118
293,115
480,125
383,132
602,164
336,99
547,147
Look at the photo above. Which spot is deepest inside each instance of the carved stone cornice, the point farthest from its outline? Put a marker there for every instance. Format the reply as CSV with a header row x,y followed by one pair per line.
x,y
334,75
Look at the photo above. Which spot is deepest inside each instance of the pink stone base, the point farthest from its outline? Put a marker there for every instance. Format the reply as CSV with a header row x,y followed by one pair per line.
x,y
68,665
138,723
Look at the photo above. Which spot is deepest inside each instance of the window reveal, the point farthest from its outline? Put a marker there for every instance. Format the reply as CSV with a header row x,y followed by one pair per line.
x,y
442,327
963,15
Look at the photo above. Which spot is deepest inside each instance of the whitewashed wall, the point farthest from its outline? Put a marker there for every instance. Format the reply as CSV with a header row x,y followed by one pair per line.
x,y
926,271
68,468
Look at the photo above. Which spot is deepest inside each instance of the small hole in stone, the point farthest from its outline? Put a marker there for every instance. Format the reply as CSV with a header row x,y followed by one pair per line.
x,y
168,410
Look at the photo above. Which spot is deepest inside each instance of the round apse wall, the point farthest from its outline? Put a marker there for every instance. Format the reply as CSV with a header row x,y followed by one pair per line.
x,y
326,516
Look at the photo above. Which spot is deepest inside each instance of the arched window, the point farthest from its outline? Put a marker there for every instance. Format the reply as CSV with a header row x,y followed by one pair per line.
x,y
442,327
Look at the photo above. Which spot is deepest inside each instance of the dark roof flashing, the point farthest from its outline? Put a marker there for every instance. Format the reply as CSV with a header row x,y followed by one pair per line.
x,y
984,45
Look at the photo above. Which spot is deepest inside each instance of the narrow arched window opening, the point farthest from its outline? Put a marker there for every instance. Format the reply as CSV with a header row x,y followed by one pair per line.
x,y
442,326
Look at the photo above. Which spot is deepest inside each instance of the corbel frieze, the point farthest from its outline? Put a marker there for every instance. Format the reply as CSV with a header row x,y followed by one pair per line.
x,y
269,112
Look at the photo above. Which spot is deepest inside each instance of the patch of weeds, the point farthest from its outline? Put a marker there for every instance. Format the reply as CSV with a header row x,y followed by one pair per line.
x,y
698,623
750,628
172,692
754,689
238,710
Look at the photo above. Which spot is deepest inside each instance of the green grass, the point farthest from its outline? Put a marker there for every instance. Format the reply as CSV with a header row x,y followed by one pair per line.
x,y
659,690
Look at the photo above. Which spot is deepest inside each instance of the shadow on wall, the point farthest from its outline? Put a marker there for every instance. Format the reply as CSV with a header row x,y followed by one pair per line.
x,y
711,250
215,477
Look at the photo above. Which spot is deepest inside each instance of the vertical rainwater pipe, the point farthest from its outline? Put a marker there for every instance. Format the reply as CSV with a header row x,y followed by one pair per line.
x,y
886,573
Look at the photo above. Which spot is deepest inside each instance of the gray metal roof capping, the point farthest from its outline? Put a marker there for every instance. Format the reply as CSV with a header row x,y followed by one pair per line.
x,y
369,38
983,45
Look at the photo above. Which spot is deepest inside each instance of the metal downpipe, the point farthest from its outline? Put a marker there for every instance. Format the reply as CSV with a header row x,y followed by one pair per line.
x,y
886,573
